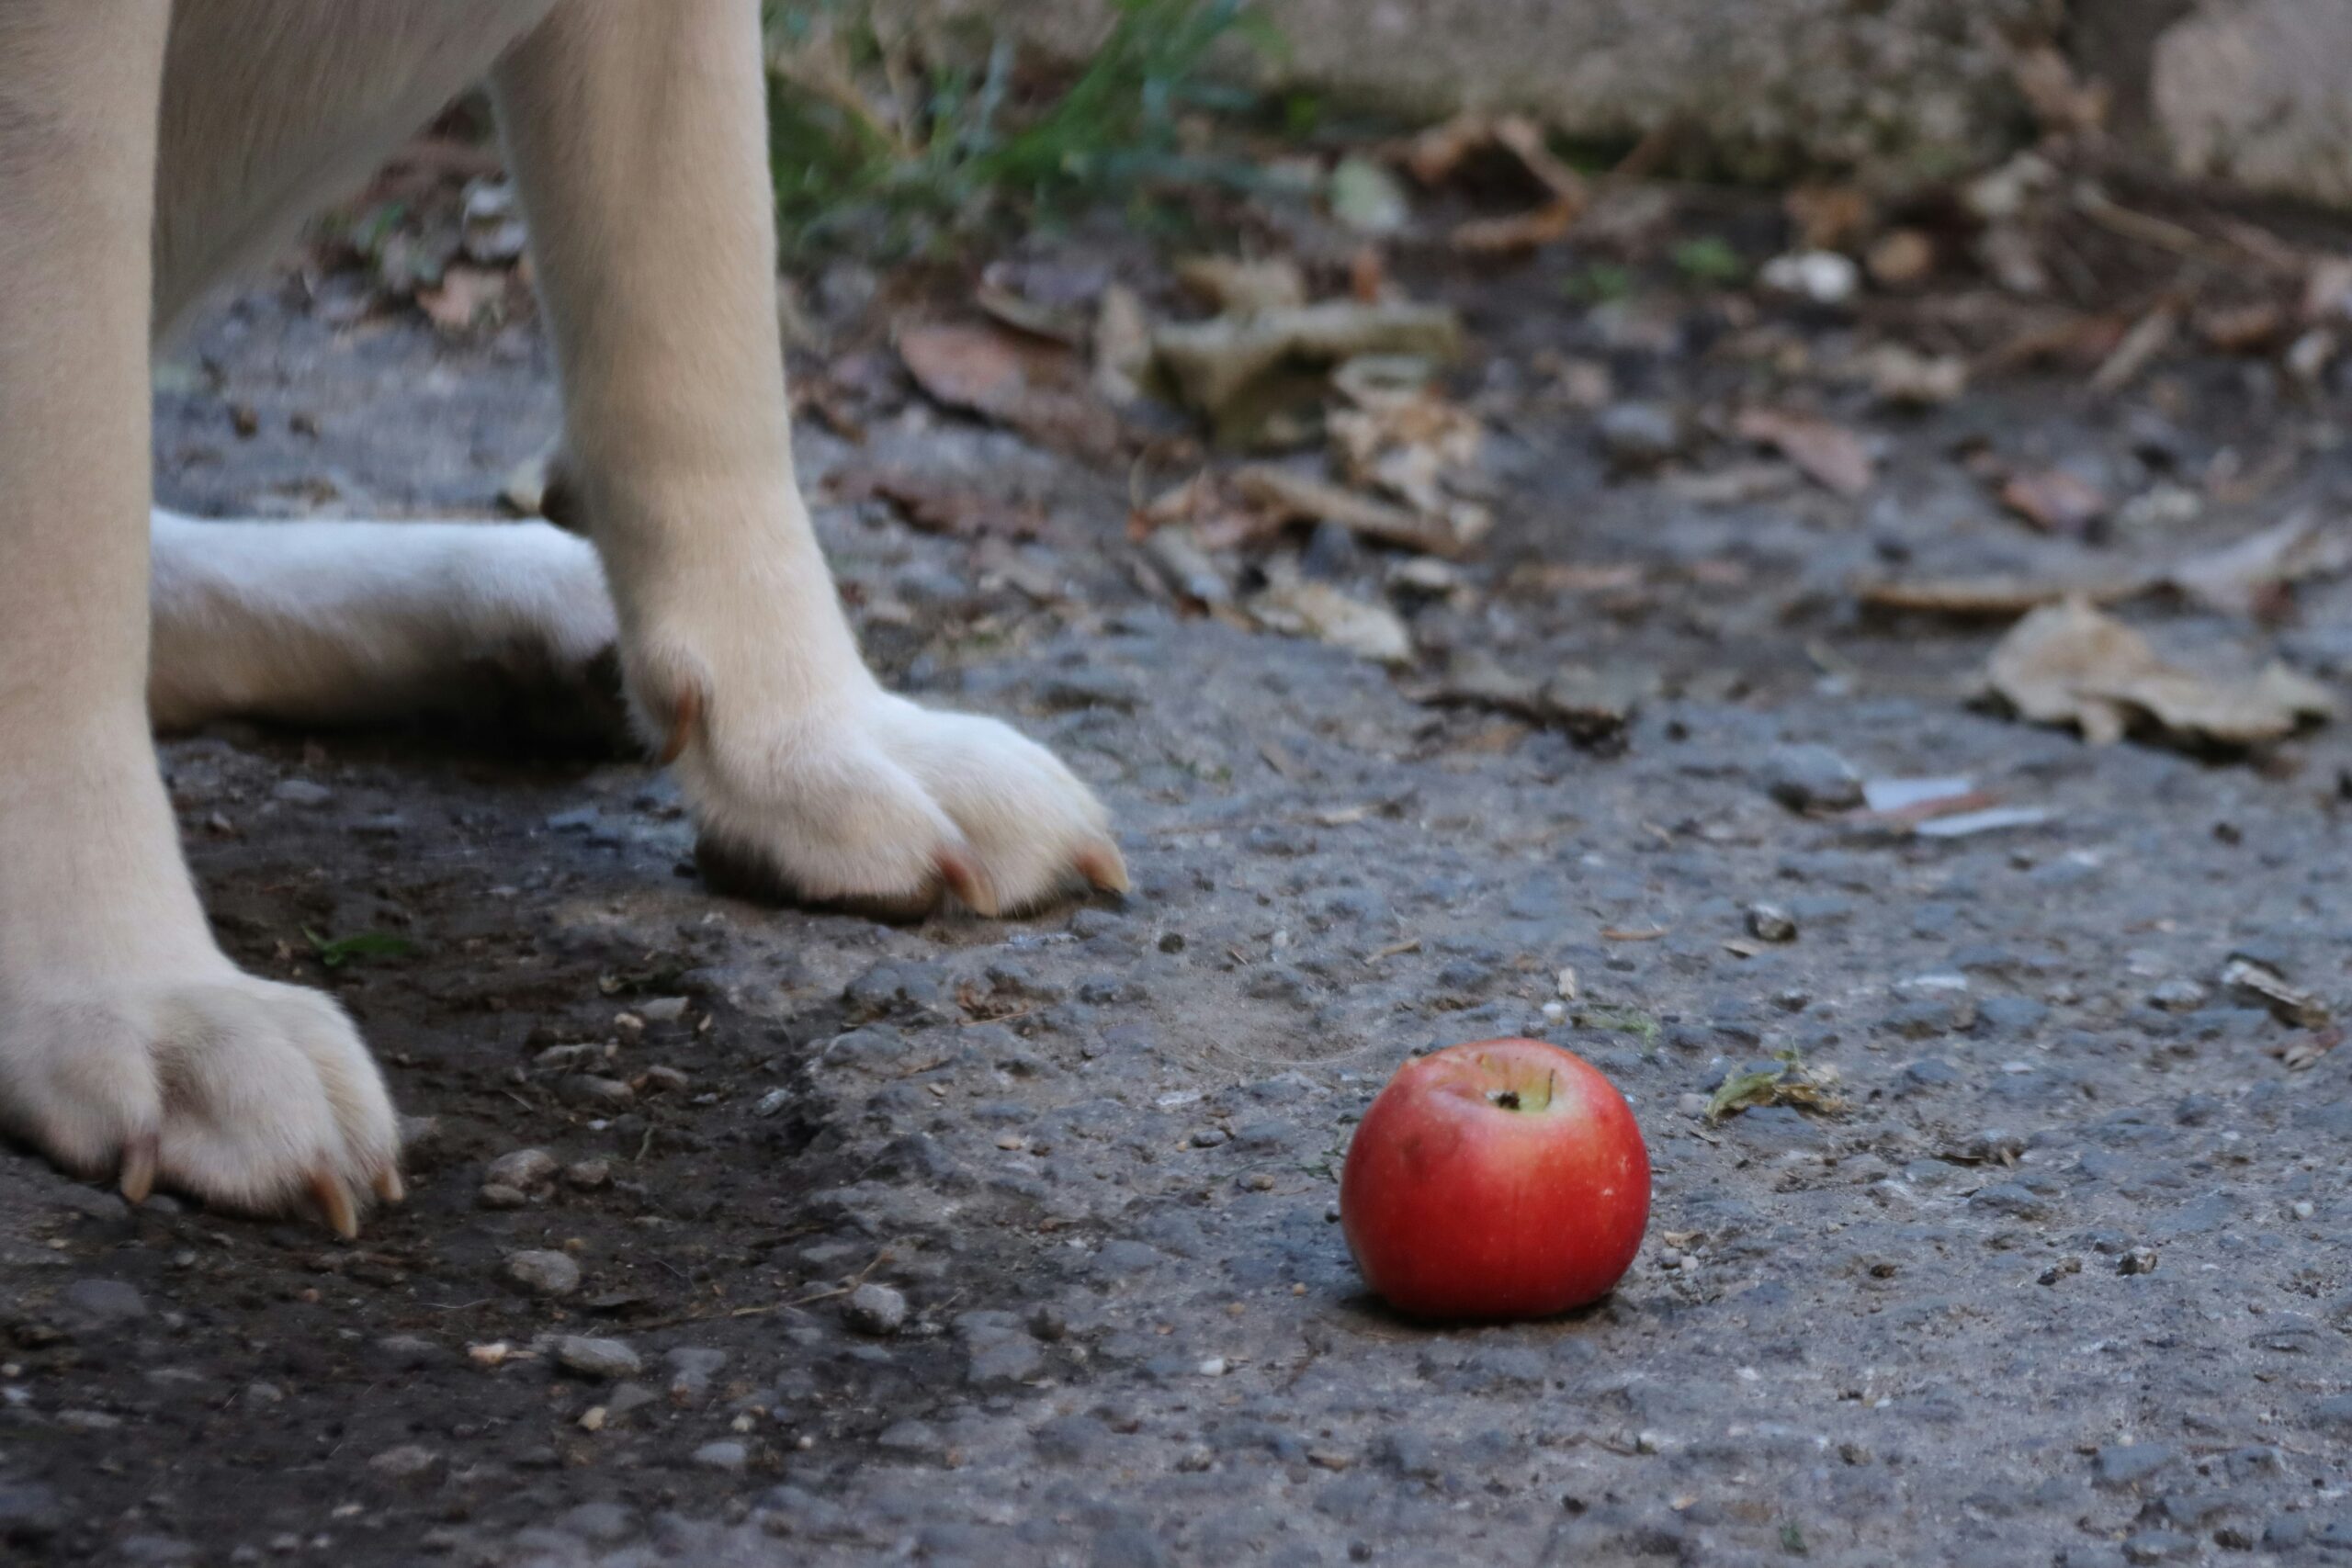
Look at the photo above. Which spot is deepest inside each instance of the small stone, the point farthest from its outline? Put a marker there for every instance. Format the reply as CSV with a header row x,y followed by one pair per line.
x,y
1637,435
1812,778
2302,1208
524,1170
663,1010
595,1358
592,1092
301,792
589,1174
30,1512
1770,923
2157,1545
104,1301
2126,1464
406,1353
876,1309
497,1195
628,1399
1209,1137
2138,1260
1826,278
544,1273
410,1464
1194,1459
2060,1269
2179,995
692,1370
725,1454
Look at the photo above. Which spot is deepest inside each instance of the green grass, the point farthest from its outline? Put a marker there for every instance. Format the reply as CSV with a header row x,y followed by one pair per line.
x,y
889,139
335,952
1709,260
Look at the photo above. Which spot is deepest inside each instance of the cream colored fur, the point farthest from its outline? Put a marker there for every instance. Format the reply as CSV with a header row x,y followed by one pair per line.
x,y
129,1043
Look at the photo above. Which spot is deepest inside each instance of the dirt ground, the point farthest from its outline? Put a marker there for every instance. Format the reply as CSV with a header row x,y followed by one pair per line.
x,y
2062,1283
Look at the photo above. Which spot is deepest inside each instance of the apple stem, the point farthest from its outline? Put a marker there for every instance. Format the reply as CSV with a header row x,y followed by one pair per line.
x,y
1507,1099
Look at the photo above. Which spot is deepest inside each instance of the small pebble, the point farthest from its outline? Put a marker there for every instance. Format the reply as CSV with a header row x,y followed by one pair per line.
x,y
663,1010
725,1454
2138,1260
1770,923
544,1273
524,1170
597,1358
876,1309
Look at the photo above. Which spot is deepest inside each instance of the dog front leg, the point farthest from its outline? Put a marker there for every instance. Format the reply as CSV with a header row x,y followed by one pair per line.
x,y
638,133
129,1043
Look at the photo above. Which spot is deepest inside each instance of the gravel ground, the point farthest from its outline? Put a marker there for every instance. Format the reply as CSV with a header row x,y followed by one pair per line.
x,y
753,1236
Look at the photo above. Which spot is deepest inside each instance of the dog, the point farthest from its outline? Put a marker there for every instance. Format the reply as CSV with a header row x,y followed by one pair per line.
x,y
149,148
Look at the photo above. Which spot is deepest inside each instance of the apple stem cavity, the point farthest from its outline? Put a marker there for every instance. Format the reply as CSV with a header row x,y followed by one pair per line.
x,y
1506,1098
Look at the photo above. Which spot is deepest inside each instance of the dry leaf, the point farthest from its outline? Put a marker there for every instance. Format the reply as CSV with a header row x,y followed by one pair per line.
x,y
2244,329
1213,363
2304,1050
1828,217
2252,576
2054,501
1592,708
2069,663
1299,606
2149,337
1298,496
462,295
1905,376
2259,982
1828,453
1186,568
941,506
1237,288
1900,258
1520,232
1805,1089
2001,596
1037,388
1122,345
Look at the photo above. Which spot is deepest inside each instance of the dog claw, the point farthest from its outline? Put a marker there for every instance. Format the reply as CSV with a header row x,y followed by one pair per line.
x,y
335,1205
1104,867
965,881
140,1157
389,1186
682,719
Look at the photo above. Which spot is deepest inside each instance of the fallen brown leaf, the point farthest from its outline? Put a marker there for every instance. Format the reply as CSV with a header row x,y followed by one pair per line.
x,y
1037,388
938,506
2304,1050
2244,329
2070,664
2000,596
1299,606
1828,453
2253,575
1216,362
1236,286
460,298
1288,494
1519,231
2054,500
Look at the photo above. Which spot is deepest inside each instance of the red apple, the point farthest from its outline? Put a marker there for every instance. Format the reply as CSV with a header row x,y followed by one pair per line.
x,y
1503,1178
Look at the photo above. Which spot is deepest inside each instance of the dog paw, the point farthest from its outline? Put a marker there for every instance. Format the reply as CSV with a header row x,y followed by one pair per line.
x,y
878,803
249,1095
